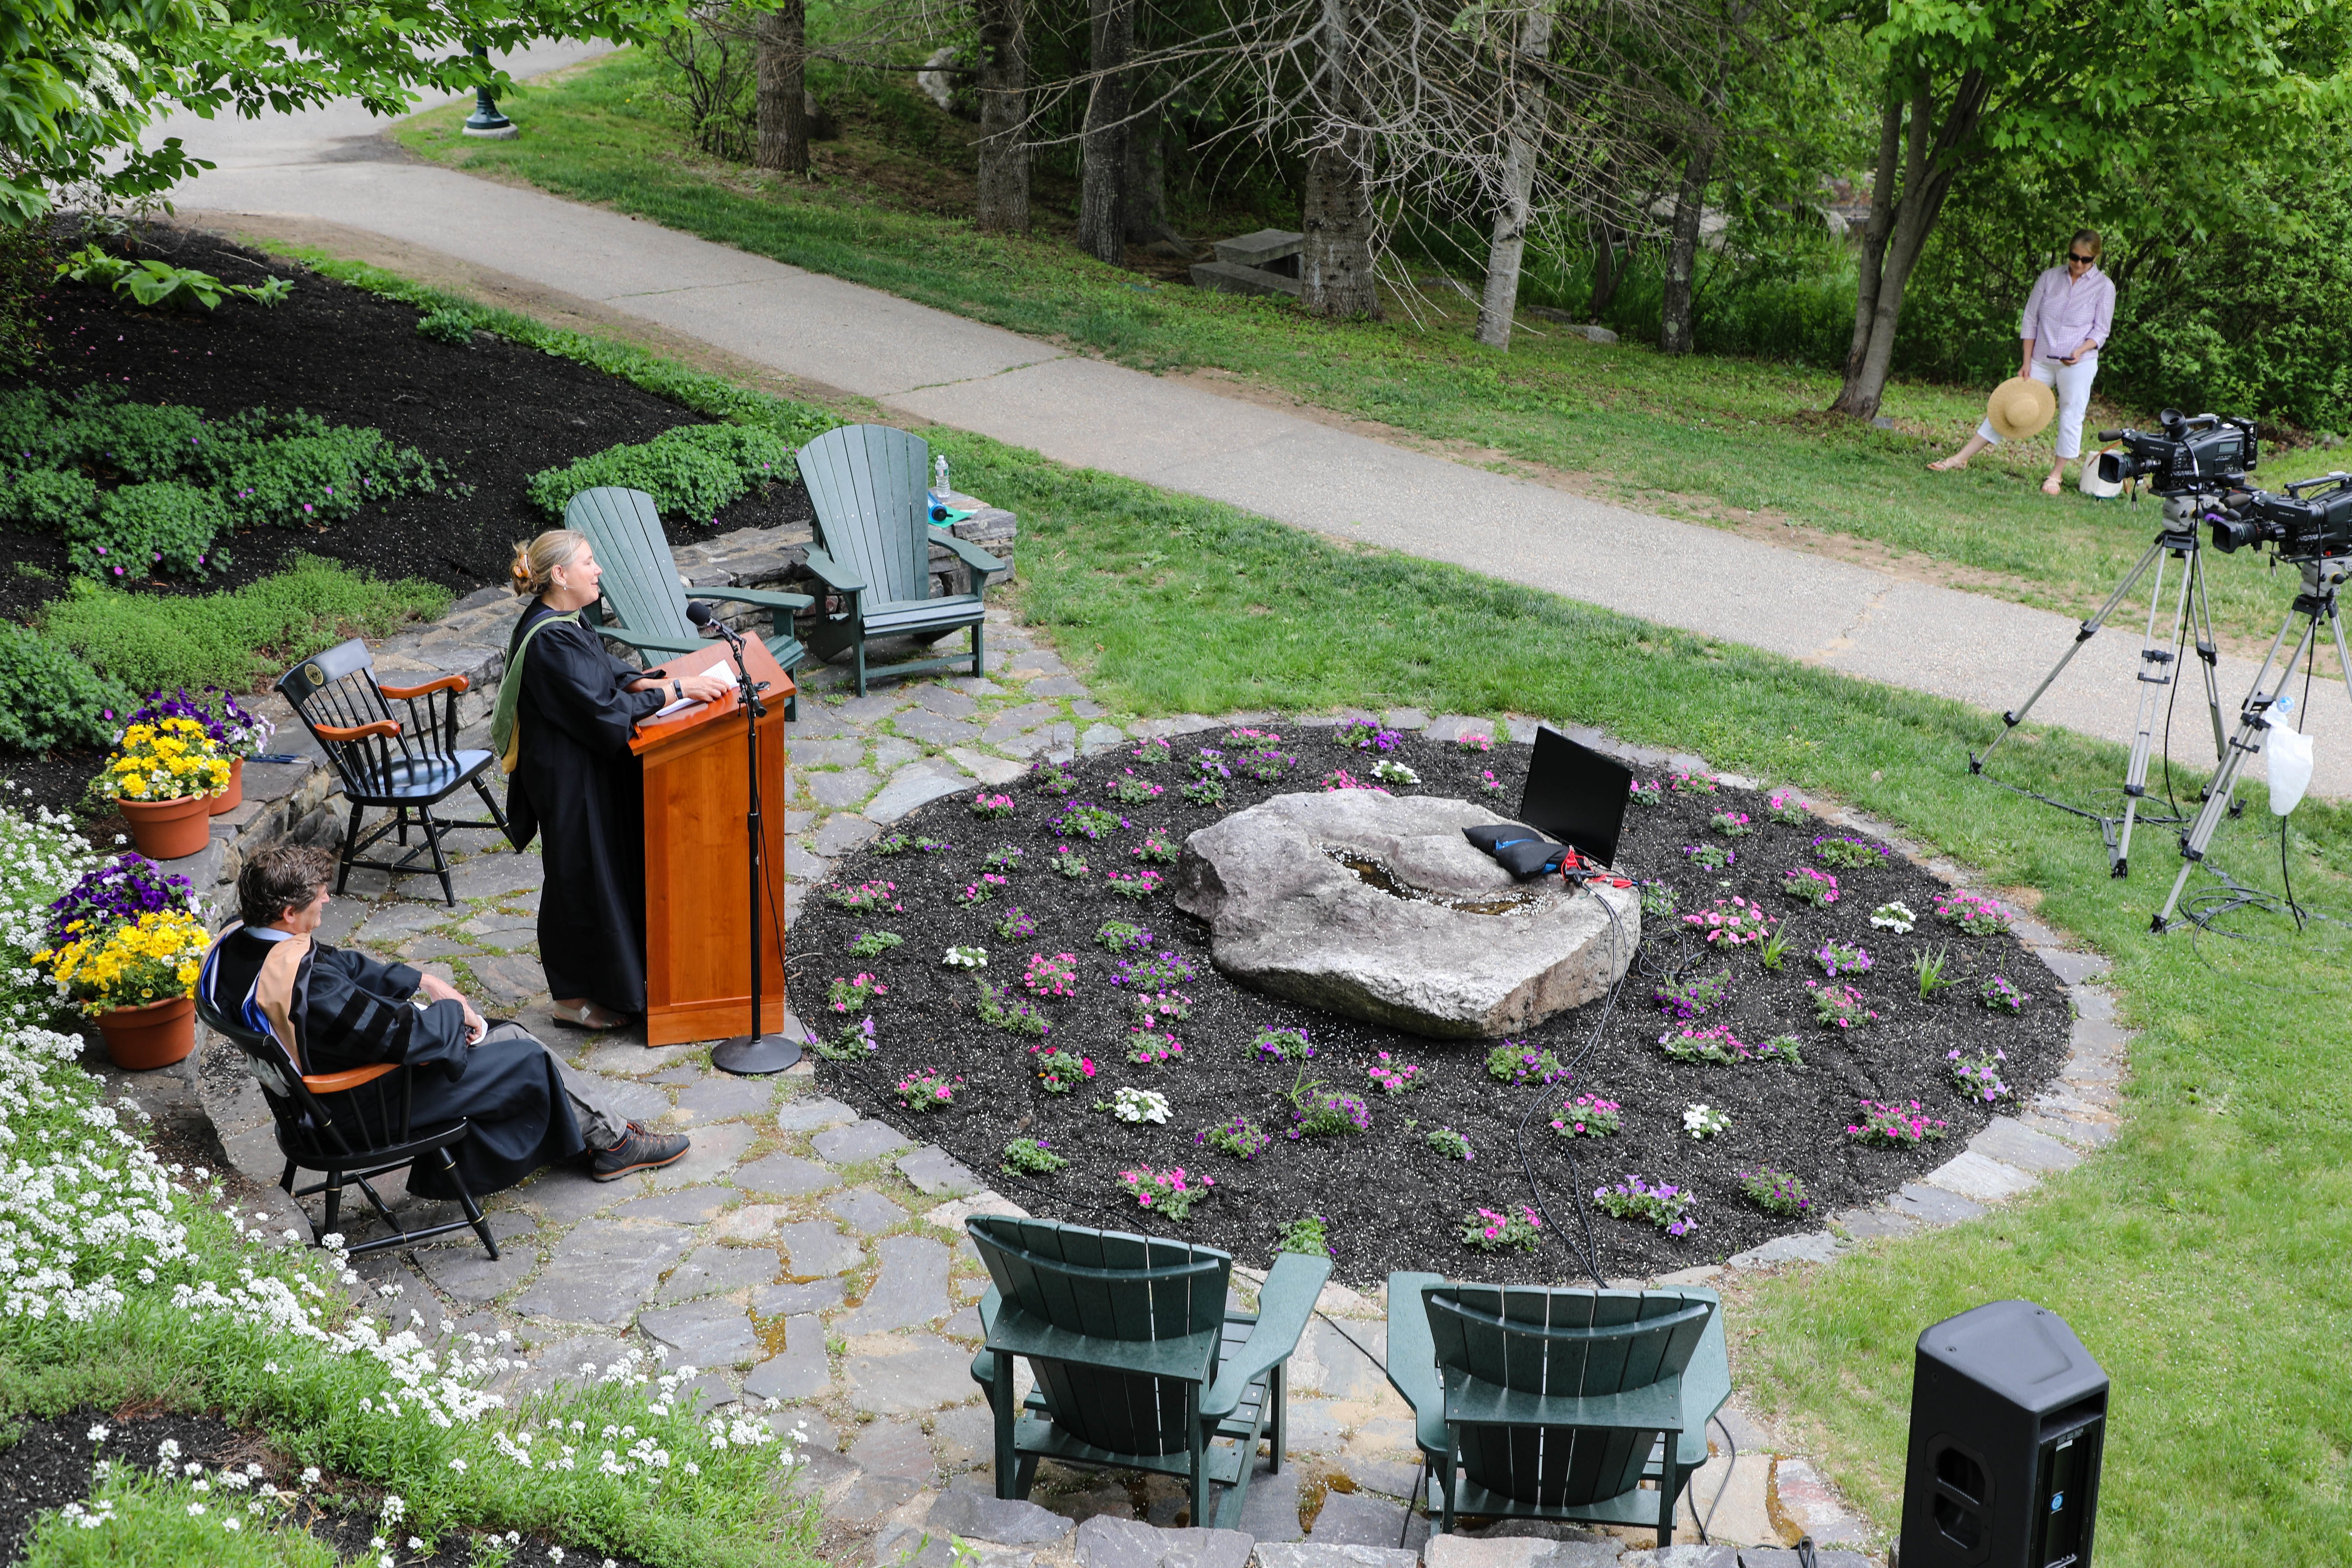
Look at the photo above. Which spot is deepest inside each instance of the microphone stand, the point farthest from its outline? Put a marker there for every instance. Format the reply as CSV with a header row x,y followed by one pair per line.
x,y
757,1053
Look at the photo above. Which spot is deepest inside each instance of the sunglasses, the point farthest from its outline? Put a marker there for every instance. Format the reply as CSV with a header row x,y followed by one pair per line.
x,y
2085,260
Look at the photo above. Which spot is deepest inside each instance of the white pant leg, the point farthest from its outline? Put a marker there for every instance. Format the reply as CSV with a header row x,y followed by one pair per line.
x,y
2073,387
2042,371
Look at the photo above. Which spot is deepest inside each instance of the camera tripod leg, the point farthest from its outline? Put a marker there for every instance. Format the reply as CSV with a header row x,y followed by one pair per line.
x,y
2208,654
2016,716
2156,676
2251,727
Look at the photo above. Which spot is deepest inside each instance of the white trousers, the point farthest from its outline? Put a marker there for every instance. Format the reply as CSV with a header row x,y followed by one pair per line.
x,y
2073,385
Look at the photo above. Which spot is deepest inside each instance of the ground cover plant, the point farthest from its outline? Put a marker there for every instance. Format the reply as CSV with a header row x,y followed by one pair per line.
x,y
1739,443
1274,1097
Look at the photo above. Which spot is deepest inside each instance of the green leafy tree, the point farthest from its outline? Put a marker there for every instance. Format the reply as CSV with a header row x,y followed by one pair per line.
x,y
1965,83
80,79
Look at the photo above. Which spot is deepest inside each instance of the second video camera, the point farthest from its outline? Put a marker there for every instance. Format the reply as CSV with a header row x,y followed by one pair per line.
x,y
2312,522
2192,453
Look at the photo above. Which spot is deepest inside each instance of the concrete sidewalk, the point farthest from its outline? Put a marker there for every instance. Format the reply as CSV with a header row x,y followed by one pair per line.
x,y
923,363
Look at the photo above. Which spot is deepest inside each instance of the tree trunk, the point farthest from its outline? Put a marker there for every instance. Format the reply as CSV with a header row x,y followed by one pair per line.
x,y
1146,179
1883,193
1102,189
1002,199
781,100
1682,250
1509,244
1929,169
1607,236
1336,261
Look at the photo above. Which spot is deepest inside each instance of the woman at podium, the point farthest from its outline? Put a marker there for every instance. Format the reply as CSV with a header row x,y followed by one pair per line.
x,y
564,716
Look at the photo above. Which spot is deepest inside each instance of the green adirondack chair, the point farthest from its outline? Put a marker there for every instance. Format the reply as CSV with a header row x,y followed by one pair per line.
x,y
869,485
1535,1402
644,598
1139,1364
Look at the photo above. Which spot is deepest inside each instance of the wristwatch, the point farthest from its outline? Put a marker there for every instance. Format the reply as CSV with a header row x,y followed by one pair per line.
x,y
677,691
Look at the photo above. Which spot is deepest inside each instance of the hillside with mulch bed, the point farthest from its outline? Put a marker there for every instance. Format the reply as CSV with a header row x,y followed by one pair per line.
x,y
1391,1200
495,411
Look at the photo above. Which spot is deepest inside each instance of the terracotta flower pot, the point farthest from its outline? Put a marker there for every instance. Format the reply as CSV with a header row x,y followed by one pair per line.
x,y
155,1035
169,830
234,797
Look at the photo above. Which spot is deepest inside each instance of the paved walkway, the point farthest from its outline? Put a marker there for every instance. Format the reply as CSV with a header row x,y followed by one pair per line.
x,y
927,365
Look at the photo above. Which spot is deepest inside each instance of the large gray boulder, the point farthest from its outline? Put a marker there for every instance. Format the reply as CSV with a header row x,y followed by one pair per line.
x,y
1376,907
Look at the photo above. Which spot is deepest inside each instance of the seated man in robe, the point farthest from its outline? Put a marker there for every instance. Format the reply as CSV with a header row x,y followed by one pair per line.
x,y
334,1009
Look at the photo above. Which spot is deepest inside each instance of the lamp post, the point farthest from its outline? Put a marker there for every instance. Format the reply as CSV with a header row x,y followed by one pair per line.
x,y
486,121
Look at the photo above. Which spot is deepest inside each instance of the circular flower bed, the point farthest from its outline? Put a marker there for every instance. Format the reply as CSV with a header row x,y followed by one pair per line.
x,y
1811,1022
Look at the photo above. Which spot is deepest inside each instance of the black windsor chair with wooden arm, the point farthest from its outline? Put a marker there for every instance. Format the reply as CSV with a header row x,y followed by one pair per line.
x,y
403,763
354,1126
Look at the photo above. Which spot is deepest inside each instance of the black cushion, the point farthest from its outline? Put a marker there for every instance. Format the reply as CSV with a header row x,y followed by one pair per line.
x,y
1519,850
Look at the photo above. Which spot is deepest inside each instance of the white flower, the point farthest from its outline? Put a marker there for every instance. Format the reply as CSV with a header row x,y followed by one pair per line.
x,y
966,958
1703,1121
458,1466
232,1523
1139,1105
98,1433
1895,916
311,1476
195,1511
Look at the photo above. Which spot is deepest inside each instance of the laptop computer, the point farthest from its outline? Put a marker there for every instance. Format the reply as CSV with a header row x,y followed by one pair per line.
x,y
1576,795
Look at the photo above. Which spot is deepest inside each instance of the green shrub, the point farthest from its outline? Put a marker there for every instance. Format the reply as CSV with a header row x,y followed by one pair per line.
x,y
140,441
155,642
46,499
26,416
690,472
165,528
317,473
50,698
448,326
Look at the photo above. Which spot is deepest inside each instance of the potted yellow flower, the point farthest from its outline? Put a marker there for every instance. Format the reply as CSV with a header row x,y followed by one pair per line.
x,y
123,948
163,775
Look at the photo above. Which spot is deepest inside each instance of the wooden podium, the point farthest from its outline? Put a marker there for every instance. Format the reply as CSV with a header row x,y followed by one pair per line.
x,y
697,877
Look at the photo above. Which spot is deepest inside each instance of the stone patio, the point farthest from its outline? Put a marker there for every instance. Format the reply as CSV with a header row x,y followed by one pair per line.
x,y
804,1254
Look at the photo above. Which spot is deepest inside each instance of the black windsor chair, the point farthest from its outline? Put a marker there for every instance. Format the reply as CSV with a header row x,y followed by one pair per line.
x,y
401,765
371,1138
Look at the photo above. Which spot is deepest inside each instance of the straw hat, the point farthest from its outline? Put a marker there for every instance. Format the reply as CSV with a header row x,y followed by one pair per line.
x,y
2019,407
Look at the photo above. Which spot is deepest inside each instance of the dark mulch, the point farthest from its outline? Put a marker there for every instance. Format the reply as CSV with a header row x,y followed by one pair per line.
x,y
1391,1201
496,412
48,1465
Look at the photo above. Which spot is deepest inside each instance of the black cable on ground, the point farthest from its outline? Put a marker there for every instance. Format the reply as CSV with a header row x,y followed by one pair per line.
x,y
1730,1465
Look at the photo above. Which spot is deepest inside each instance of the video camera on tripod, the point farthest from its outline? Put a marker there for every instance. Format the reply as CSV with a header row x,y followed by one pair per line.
x,y
2312,522
2202,452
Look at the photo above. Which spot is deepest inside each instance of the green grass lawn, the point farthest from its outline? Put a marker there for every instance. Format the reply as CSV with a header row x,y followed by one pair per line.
x,y
2200,1257
1734,442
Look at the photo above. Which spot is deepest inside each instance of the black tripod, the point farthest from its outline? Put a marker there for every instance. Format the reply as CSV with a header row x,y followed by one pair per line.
x,y
2178,541
2321,580
757,1053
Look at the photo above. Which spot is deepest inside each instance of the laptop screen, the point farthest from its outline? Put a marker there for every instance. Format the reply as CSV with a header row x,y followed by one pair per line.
x,y
1576,795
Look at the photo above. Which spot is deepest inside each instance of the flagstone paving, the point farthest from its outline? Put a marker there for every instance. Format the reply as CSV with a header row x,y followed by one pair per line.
x,y
804,1254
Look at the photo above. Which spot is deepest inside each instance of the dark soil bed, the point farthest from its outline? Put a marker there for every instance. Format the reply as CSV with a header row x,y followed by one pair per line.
x,y
47,1464
1393,1202
496,412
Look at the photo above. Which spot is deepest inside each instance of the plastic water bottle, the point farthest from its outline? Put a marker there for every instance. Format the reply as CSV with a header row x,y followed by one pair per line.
x,y
939,476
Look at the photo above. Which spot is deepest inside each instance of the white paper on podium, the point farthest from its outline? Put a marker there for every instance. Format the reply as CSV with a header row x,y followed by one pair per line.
x,y
716,672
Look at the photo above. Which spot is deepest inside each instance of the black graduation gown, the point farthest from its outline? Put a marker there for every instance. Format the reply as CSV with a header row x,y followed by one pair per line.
x,y
576,782
349,1011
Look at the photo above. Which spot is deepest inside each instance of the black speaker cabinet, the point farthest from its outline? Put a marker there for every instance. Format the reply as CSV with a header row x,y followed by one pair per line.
x,y
2009,1414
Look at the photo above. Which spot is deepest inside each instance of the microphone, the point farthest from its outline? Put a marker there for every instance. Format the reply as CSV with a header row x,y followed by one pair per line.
x,y
699,612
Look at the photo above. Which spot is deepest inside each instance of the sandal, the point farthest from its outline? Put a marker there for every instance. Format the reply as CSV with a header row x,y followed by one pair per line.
x,y
2053,486
586,1015
1947,465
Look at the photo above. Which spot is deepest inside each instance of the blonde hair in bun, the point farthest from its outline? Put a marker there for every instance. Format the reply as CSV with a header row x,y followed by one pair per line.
x,y
535,563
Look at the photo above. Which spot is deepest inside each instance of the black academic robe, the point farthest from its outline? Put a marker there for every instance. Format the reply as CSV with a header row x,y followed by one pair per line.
x,y
577,784
347,1011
